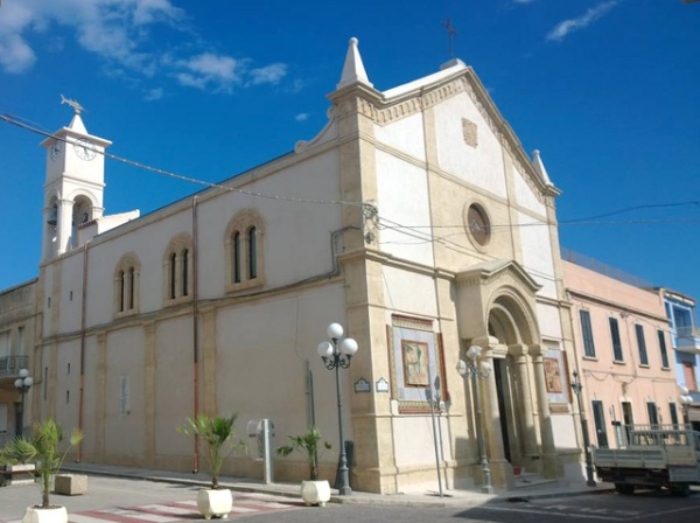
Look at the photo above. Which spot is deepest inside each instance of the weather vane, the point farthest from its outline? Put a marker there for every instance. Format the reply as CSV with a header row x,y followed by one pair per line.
x,y
451,33
75,105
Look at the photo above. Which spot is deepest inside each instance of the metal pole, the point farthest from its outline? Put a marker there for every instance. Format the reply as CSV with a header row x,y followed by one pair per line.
x,y
431,403
486,488
20,429
578,388
345,489
267,449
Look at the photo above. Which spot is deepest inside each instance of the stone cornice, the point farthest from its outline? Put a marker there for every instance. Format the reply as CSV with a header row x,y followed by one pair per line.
x,y
620,307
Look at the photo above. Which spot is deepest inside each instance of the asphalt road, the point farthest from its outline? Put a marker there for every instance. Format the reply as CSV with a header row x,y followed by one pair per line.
x,y
112,500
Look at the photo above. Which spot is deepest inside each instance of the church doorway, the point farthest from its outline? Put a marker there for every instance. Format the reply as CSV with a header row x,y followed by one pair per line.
x,y
501,375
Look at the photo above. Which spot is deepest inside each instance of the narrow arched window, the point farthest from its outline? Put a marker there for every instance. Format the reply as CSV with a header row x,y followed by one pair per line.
x,y
122,289
132,287
185,263
252,254
173,275
236,246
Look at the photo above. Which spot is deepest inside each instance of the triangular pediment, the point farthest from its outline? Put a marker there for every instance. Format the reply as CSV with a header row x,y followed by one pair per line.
x,y
489,272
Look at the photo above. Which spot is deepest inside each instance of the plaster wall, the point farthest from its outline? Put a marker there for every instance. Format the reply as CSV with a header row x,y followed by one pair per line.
x,y
91,398
549,320
403,201
70,293
68,384
414,441
481,165
405,135
524,196
125,431
407,291
537,253
174,385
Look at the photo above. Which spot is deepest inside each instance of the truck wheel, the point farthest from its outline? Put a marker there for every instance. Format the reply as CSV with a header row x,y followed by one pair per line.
x,y
680,490
624,488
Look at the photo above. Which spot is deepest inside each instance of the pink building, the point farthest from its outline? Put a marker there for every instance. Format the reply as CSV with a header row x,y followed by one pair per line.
x,y
623,354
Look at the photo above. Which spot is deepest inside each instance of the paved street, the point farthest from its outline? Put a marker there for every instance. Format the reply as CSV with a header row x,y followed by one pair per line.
x,y
113,500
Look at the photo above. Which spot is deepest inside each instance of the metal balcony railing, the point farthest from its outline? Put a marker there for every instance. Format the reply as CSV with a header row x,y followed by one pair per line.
x,y
687,332
11,365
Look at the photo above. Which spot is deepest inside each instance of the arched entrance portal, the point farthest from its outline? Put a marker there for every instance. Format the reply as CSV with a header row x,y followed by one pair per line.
x,y
509,324
496,310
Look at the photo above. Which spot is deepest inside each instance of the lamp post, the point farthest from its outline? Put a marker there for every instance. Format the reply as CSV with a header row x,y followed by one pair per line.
x,y
337,355
22,384
578,388
470,370
685,400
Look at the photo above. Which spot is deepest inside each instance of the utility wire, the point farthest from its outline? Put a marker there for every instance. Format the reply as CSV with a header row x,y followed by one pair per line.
x,y
18,123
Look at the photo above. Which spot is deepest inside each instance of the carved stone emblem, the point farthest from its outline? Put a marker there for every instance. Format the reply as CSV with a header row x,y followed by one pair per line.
x,y
469,133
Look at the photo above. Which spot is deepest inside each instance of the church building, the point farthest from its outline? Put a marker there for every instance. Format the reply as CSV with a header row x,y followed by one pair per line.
x,y
414,219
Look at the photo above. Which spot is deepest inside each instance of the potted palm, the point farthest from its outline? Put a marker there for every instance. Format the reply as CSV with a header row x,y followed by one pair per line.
x,y
43,447
314,491
217,432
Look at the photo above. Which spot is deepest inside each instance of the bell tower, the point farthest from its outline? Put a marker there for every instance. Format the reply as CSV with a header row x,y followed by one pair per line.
x,y
74,186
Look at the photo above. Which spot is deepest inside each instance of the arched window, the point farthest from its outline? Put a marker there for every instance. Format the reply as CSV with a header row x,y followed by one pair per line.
x,y
126,285
252,254
236,257
176,269
185,268
173,276
244,242
122,290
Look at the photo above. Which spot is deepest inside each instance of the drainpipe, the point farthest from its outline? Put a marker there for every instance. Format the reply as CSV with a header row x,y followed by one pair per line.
x,y
195,332
83,322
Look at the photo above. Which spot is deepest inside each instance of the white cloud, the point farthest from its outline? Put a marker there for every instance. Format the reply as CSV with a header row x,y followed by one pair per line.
x,y
152,95
302,117
270,74
575,24
118,31
209,70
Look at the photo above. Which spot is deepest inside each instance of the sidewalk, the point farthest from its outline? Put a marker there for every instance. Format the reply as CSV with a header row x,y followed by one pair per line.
x,y
413,497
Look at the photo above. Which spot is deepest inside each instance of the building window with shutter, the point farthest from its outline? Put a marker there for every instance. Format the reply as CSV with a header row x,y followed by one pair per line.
x,y
587,333
615,338
177,270
127,276
641,345
662,349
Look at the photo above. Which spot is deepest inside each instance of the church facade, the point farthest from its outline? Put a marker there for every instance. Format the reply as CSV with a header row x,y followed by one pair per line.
x,y
414,218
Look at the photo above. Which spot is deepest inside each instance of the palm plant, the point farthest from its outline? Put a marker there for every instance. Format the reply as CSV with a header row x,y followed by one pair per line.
x,y
218,433
43,446
309,444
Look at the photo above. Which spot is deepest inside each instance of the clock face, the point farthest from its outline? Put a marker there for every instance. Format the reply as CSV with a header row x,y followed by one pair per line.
x,y
56,149
479,225
85,149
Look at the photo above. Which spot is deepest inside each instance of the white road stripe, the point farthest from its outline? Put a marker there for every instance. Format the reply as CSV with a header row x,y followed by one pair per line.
x,y
167,508
81,518
139,514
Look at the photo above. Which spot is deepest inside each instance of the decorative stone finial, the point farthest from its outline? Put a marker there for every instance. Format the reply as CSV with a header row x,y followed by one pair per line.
x,y
353,69
539,167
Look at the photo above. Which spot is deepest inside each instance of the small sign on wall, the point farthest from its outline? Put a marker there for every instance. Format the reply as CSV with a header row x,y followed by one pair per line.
x,y
362,385
382,385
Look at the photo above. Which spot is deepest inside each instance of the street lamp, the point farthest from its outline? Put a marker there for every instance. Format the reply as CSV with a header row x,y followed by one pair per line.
x,y
685,400
336,356
578,388
470,370
22,384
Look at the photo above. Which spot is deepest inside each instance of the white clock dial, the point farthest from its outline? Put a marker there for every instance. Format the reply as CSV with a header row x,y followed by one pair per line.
x,y
85,149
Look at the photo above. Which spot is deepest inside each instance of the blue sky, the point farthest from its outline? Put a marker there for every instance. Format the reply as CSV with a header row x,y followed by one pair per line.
x,y
606,89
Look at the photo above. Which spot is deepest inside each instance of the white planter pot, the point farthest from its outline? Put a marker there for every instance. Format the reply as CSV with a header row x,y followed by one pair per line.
x,y
215,503
45,515
315,492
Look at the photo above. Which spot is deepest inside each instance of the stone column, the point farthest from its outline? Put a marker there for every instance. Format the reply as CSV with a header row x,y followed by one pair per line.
x,y
501,470
549,456
525,402
101,399
65,225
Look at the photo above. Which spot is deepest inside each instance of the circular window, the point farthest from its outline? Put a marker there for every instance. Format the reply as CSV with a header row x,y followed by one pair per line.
x,y
478,224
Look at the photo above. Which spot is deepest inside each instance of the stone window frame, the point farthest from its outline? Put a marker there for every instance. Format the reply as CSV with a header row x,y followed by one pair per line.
x,y
482,207
127,279
244,259
177,270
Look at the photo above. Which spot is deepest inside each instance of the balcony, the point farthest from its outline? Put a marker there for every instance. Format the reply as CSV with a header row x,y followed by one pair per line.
x,y
688,340
11,365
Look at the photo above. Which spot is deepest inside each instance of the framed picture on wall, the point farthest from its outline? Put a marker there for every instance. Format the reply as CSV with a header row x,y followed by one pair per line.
x,y
555,376
415,363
